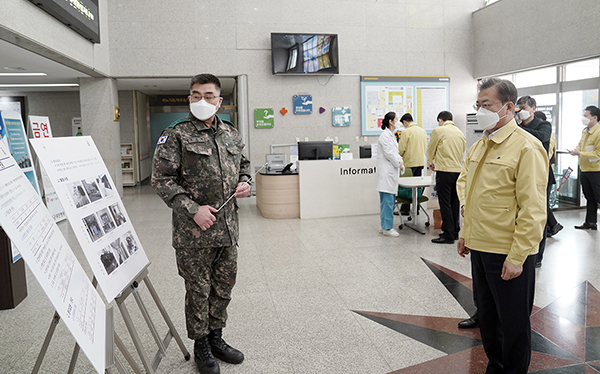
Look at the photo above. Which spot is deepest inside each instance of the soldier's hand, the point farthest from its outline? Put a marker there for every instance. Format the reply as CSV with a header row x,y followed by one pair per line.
x,y
242,190
461,249
510,271
204,217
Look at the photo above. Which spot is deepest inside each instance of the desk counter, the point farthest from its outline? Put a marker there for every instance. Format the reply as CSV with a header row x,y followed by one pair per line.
x,y
337,188
277,195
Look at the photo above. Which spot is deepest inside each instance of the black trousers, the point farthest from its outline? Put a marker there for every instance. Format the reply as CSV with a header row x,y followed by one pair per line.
x,y
416,172
449,204
504,308
542,247
590,183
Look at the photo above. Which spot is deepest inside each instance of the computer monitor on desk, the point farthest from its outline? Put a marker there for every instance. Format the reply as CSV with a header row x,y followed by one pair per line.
x,y
320,150
364,151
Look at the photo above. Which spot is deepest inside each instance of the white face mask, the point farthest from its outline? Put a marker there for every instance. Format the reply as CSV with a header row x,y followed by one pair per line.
x,y
486,119
585,120
202,110
523,114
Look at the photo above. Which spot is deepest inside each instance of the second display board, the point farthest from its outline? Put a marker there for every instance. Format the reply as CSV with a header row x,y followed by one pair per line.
x,y
422,97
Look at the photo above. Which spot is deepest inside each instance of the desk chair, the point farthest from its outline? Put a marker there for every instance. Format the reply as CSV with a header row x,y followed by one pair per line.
x,y
404,196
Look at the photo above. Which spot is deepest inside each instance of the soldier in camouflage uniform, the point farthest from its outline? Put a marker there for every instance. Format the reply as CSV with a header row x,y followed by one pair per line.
x,y
198,164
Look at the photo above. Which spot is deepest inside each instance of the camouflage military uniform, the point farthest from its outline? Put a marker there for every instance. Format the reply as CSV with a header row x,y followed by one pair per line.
x,y
198,165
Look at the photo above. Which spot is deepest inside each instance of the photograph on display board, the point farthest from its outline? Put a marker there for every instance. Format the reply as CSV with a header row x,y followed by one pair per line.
x,y
78,194
119,217
119,251
92,189
130,242
106,221
93,227
104,185
108,259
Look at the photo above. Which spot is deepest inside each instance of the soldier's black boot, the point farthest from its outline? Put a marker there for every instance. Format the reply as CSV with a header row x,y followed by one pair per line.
x,y
222,350
205,361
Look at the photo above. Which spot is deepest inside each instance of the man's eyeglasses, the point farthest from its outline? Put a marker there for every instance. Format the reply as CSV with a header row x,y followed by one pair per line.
x,y
199,97
487,106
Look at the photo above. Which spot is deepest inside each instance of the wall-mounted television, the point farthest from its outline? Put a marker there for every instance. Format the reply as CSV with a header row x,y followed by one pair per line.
x,y
304,53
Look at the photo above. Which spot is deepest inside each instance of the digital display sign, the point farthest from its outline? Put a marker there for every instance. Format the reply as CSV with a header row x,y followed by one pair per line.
x,y
79,15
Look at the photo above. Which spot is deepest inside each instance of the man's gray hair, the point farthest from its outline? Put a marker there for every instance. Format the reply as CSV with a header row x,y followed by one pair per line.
x,y
505,89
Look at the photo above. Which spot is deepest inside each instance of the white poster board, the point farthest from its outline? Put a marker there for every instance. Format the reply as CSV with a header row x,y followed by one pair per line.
x,y
94,209
29,225
40,129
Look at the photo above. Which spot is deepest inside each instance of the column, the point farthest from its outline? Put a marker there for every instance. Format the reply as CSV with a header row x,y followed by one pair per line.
x,y
98,97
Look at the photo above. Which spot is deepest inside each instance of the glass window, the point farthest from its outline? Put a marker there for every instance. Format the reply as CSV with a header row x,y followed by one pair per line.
x,y
545,99
572,109
508,77
582,70
536,77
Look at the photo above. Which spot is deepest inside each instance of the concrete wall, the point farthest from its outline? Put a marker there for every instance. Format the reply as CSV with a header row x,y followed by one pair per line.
x,y
232,37
533,33
24,24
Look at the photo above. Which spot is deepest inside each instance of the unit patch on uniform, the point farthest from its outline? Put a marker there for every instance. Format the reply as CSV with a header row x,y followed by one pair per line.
x,y
162,139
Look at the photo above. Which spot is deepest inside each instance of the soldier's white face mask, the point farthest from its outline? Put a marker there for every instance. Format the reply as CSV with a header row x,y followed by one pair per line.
x,y
202,110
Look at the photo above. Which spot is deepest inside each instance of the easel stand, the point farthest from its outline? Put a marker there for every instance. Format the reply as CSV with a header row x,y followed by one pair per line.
x,y
163,343
112,360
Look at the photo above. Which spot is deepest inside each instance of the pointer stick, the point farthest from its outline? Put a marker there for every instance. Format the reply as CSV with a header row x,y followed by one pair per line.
x,y
231,197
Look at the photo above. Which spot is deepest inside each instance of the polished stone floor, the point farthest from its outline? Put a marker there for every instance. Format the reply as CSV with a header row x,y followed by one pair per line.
x,y
335,296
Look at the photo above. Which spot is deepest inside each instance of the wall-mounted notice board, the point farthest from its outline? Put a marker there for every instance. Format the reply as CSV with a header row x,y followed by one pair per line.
x,y
422,97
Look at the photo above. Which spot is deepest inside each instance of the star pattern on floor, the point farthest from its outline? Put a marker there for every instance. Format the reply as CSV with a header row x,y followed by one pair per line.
x,y
565,333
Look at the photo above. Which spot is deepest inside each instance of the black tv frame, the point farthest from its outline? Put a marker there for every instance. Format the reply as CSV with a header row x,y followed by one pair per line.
x,y
315,150
283,43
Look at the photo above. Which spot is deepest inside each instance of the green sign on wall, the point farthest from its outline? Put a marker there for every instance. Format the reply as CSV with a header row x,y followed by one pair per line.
x,y
264,118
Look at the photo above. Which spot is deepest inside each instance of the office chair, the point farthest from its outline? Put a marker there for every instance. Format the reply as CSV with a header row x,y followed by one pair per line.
x,y
404,196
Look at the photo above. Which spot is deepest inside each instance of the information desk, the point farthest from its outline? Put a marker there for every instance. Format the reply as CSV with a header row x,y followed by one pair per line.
x,y
336,188
277,195
415,183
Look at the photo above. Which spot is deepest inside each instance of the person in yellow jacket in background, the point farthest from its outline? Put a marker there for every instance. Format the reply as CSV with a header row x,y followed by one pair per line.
x,y
588,151
502,188
411,147
444,155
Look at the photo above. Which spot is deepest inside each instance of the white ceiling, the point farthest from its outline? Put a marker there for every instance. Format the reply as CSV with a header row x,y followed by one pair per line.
x,y
16,59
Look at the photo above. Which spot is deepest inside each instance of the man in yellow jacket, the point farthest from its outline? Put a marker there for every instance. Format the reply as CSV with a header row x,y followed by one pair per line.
x,y
412,144
444,155
502,188
588,151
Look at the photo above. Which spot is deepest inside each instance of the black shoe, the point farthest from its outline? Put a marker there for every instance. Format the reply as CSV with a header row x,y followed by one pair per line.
x,y
554,230
442,240
469,323
205,361
404,213
222,350
585,226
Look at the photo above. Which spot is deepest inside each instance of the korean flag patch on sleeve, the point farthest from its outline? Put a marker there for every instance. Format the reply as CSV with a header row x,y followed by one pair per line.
x,y
162,139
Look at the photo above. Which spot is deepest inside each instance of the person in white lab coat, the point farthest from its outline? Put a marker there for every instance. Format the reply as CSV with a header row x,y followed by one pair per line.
x,y
389,163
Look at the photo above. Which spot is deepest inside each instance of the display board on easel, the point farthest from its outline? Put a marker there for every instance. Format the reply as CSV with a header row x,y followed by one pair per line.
x,y
422,97
94,209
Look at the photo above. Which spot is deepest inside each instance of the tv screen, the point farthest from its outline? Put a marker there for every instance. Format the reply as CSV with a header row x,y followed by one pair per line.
x,y
304,53
315,150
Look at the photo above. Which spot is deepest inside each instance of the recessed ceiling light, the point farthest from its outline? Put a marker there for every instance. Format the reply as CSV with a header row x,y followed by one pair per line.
x,y
23,74
39,85
14,68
